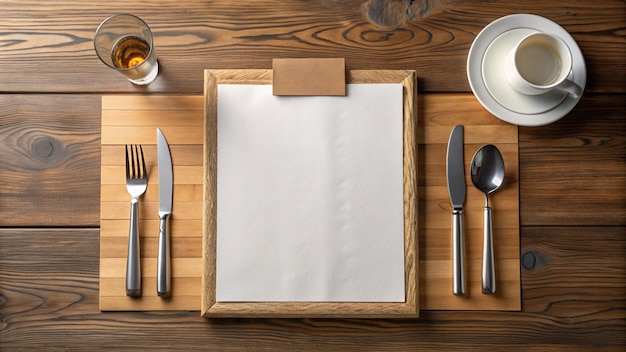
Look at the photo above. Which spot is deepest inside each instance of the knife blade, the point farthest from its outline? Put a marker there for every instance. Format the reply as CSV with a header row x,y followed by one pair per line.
x,y
455,172
166,184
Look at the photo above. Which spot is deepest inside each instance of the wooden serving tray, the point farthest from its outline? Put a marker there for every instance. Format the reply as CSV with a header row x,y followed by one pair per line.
x,y
134,119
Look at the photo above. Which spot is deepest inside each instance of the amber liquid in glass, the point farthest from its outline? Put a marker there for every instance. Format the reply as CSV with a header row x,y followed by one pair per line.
x,y
129,52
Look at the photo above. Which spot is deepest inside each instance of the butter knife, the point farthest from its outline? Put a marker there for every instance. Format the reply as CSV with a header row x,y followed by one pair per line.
x,y
165,210
455,172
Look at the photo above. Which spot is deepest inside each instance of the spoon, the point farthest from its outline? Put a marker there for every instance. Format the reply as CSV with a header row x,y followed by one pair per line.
x,y
487,172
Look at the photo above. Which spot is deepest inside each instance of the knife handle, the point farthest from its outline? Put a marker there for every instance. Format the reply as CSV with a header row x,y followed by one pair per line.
x,y
133,264
163,257
489,275
458,250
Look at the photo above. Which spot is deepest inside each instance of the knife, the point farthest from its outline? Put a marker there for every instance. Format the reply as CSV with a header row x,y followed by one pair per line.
x,y
165,210
455,172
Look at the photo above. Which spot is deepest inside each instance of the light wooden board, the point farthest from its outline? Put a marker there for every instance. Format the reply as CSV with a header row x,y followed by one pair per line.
x,y
408,308
133,119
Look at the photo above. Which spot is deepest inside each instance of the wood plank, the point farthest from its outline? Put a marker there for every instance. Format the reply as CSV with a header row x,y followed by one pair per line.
x,y
144,134
116,210
430,37
590,290
49,284
576,166
186,155
181,267
116,292
185,192
141,104
186,175
50,154
115,246
119,228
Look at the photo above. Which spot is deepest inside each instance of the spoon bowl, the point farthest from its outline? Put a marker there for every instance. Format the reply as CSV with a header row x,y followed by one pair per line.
x,y
487,170
487,173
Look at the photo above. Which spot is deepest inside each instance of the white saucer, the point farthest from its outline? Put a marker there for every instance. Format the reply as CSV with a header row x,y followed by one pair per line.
x,y
493,74
490,86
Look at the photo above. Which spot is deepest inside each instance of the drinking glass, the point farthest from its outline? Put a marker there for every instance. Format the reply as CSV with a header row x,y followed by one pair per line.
x,y
124,43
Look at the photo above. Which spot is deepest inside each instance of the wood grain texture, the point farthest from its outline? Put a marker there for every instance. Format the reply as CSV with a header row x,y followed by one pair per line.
x,y
133,120
574,300
210,307
571,213
431,37
436,117
50,149
64,140
584,156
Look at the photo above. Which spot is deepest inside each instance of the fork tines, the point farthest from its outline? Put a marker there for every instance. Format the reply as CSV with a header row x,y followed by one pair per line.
x,y
132,169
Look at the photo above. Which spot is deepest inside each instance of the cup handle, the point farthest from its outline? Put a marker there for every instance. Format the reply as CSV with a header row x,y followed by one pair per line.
x,y
571,88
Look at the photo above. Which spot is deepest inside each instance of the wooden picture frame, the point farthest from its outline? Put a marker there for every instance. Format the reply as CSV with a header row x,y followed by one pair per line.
x,y
211,308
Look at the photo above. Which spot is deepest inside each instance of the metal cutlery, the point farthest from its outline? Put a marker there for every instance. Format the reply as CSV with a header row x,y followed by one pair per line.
x,y
166,185
487,173
455,172
136,184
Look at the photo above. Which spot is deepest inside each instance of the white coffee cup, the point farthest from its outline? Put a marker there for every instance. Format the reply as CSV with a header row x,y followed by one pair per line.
x,y
539,63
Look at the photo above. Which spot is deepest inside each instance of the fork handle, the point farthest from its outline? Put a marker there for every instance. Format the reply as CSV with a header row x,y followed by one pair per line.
x,y
133,265
163,258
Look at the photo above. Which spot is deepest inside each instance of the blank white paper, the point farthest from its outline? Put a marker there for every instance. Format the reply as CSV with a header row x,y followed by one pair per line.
x,y
310,196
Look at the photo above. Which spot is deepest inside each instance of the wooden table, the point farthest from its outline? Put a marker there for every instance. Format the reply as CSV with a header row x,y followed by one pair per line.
x,y
572,173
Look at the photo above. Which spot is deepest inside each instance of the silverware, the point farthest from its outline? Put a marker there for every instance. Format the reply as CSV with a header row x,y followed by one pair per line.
x,y
487,172
455,172
136,184
165,210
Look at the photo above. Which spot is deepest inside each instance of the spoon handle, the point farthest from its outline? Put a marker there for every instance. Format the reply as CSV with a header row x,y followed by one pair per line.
x,y
489,276
458,260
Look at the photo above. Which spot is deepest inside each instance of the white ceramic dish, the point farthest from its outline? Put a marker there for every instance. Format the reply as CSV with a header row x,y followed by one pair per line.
x,y
485,71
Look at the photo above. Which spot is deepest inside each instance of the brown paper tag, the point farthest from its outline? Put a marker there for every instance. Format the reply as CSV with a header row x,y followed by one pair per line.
x,y
297,77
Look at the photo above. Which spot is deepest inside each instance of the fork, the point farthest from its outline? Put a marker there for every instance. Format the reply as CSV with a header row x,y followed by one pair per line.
x,y
136,184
